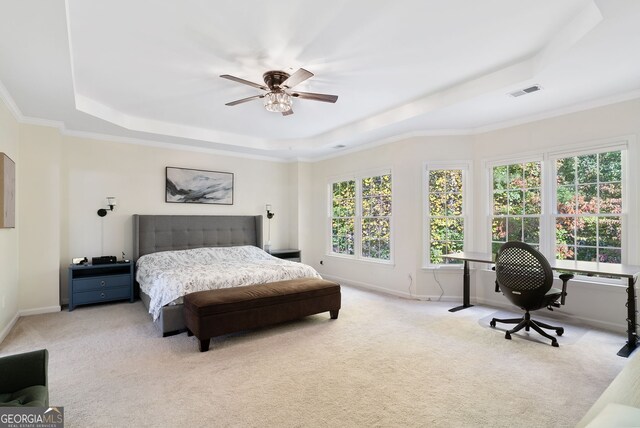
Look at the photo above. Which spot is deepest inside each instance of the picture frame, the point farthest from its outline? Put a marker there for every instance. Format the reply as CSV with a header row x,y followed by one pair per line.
x,y
197,186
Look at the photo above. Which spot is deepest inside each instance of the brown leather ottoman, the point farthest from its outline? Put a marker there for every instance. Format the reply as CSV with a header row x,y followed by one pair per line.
x,y
216,312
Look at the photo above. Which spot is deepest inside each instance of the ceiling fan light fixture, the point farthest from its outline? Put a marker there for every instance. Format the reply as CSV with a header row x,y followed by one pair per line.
x,y
277,85
277,101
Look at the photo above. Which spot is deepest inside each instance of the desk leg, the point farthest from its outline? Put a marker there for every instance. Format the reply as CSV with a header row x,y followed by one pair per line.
x,y
466,293
632,334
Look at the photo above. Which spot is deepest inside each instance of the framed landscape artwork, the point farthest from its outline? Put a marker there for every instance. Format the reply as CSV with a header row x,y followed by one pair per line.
x,y
198,186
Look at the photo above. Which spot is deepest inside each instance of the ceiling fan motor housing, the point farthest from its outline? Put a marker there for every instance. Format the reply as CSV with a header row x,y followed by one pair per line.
x,y
273,79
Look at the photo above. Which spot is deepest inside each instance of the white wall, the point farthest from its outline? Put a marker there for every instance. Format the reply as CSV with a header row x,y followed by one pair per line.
x,y
68,179
9,137
406,159
63,181
595,304
302,200
39,206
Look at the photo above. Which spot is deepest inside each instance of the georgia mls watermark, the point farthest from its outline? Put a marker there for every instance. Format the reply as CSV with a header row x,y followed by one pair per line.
x,y
31,417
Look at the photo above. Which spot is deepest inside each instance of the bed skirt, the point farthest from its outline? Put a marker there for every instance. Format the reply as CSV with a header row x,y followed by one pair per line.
x,y
171,320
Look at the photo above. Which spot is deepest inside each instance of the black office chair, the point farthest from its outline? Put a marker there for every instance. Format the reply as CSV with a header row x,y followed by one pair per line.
x,y
525,278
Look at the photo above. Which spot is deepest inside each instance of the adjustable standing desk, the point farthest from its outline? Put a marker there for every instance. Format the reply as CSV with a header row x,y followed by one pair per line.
x,y
615,270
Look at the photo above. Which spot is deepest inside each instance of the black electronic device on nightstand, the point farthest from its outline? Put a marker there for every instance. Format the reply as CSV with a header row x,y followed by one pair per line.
x,y
103,260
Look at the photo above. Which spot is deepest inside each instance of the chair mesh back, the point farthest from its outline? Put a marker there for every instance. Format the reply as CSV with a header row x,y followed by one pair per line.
x,y
520,267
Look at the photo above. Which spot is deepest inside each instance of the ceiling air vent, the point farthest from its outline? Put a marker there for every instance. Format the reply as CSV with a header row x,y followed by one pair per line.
x,y
525,91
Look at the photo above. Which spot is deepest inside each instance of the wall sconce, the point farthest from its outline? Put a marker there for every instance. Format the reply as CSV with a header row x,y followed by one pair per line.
x,y
270,215
111,202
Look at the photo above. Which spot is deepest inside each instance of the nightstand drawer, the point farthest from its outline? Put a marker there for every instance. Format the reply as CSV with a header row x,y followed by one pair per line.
x,y
101,295
100,282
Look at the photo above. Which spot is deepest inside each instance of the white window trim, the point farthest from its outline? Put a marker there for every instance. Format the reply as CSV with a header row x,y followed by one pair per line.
x,y
357,242
467,202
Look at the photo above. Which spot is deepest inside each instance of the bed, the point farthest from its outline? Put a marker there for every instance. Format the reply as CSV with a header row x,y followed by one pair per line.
x,y
169,240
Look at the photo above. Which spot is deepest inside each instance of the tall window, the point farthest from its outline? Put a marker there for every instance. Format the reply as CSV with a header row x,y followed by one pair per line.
x,y
517,204
589,207
376,217
445,213
343,216
361,217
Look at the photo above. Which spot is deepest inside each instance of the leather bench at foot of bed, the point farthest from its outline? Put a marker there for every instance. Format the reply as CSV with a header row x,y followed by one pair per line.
x,y
216,312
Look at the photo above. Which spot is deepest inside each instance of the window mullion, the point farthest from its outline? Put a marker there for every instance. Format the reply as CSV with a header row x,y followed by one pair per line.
x,y
358,220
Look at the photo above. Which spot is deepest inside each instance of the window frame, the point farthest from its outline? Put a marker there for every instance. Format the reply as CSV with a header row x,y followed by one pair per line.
x,y
358,177
466,168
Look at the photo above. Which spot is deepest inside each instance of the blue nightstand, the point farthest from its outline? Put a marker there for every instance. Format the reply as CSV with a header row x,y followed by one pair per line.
x,y
100,283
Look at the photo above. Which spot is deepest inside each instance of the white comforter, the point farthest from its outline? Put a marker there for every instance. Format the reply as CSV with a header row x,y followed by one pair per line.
x,y
168,275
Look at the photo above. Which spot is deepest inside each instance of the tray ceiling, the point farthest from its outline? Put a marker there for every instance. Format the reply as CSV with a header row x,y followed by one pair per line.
x,y
125,69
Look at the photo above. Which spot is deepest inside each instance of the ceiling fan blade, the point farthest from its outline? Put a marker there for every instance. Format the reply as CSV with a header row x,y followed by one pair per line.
x,y
288,112
246,82
316,97
296,78
244,100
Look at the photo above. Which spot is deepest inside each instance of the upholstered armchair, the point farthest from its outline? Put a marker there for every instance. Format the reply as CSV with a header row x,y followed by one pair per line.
x,y
23,379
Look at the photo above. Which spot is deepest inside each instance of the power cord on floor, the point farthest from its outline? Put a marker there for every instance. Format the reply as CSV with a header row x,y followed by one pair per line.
x,y
438,282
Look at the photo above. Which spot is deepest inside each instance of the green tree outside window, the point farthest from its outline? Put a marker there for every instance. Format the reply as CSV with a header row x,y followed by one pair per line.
x,y
445,208
343,213
517,204
376,217
589,207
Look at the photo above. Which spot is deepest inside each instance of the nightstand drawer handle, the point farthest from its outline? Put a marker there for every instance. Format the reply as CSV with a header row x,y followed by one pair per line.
x,y
102,295
102,283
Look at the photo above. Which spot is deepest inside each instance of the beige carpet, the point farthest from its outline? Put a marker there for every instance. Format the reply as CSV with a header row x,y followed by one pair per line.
x,y
385,362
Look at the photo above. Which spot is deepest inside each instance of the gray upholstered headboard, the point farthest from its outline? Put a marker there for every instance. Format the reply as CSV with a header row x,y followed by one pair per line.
x,y
153,233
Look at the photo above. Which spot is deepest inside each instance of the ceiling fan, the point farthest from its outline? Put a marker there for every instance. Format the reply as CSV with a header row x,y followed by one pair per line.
x,y
279,96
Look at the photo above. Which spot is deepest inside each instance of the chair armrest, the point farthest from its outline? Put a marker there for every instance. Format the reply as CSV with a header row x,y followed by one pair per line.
x,y
565,277
22,370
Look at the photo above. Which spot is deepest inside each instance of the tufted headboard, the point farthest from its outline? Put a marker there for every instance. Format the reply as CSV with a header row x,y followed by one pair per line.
x,y
153,233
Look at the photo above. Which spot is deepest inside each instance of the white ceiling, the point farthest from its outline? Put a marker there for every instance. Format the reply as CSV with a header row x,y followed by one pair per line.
x,y
149,71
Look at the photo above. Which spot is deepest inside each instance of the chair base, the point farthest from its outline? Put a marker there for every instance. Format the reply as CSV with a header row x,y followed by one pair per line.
x,y
527,323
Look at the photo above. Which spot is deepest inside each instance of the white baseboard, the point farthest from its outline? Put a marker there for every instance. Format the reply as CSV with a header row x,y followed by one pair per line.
x,y
38,311
384,290
604,325
23,313
5,332
561,315
364,285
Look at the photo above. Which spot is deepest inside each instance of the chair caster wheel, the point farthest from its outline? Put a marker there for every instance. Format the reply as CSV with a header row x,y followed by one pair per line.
x,y
555,344
492,323
507,336
560,331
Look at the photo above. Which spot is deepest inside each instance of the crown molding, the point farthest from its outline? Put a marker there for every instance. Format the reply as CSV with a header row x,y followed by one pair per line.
x,y
587,105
